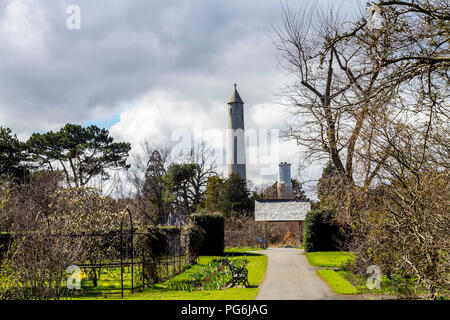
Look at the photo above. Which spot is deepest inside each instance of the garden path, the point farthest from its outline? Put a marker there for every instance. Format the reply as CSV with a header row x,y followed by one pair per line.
x,y
289,276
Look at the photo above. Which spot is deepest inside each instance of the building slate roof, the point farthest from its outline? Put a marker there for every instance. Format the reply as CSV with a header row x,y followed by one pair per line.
x,y
281,210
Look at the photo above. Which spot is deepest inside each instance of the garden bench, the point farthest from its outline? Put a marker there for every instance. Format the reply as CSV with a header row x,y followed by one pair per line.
x,y
239,275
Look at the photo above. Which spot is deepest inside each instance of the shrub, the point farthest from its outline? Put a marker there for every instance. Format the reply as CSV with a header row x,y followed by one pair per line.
x,y
155,245
41,218
214,227
321,231
82,210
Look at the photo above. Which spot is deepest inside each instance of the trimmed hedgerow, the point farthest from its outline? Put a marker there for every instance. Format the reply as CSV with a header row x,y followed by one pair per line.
x,y
321,231
196,235
213,225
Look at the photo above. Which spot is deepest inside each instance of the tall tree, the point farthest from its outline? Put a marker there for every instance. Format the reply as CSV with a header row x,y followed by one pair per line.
x,y
297,190
271,192
80,152
146,176
12,156
236,196
228,196
205,169
177,182
153,188
323,184
213,194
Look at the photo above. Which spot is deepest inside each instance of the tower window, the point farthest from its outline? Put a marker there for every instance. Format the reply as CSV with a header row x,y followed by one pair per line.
x,y
235,150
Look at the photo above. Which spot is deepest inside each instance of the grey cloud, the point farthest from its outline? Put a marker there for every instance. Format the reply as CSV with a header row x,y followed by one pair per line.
x,y
122,50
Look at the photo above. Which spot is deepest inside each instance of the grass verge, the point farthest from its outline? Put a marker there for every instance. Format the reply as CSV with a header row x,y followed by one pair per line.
x,y
343,281
332,259
337,282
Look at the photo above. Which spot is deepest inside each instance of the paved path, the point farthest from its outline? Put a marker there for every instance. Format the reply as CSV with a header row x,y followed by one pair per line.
x,y
289,276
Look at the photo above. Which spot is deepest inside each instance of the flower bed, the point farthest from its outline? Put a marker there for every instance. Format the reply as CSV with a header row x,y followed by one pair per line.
x,y
215,276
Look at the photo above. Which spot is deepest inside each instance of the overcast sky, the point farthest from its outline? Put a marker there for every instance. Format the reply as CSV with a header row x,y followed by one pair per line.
x,y
143,69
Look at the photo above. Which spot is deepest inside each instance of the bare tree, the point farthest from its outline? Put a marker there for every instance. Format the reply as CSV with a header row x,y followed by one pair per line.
x,y
200,155
336,86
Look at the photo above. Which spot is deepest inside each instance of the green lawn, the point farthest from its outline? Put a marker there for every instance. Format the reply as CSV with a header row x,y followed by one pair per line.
x,y
337,282
256,270
333,259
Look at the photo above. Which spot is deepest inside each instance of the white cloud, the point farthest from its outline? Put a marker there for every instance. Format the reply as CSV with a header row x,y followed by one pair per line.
x,y
160,115
23,26
155,116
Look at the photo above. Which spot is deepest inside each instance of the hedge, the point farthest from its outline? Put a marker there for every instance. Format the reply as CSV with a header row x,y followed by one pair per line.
x,y
321,231
155,244
213,225
196,236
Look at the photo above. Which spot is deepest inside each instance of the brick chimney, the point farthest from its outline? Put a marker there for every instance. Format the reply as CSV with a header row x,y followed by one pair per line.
x,y
284,185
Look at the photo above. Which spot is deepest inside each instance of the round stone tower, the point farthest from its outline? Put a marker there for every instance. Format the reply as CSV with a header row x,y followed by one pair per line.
x,y
236,136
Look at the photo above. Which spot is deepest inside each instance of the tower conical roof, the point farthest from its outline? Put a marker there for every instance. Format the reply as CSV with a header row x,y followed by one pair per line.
x,y
235,98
